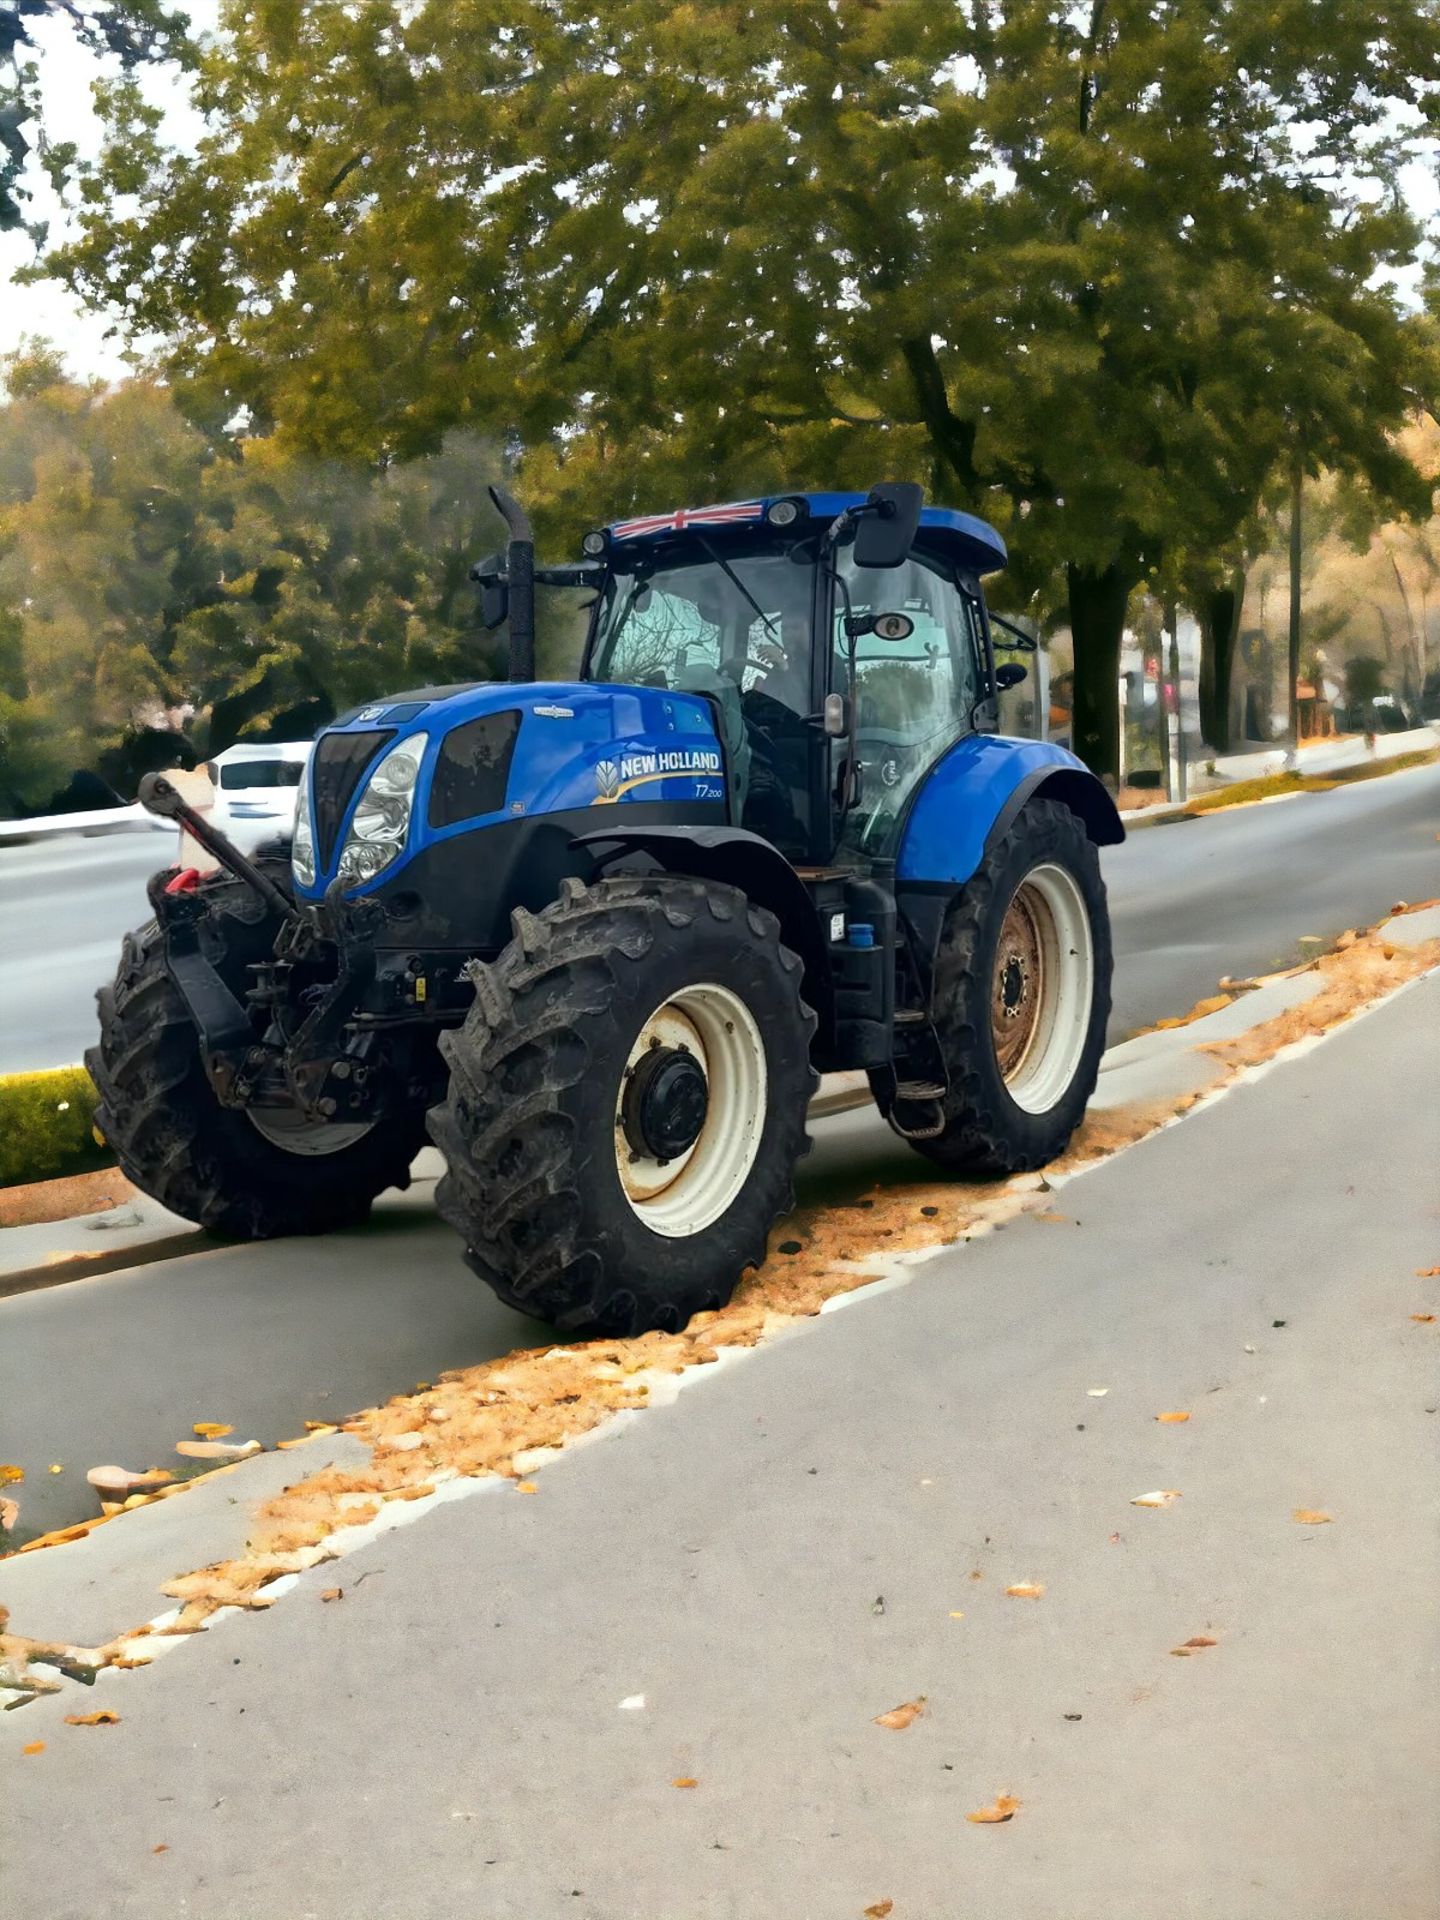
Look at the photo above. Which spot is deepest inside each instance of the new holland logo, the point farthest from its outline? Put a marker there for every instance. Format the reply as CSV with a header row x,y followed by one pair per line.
x,y
613,780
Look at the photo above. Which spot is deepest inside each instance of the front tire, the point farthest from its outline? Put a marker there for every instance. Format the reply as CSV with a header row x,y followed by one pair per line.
x,y
1021,997
239,1177
627,1102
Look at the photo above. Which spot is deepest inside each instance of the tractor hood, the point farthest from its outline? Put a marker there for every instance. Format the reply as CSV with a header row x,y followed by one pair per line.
x,y
398,776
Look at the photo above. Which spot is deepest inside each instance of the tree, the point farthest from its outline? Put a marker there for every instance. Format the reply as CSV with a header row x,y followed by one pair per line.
x,y
133,31
155,581
1090,270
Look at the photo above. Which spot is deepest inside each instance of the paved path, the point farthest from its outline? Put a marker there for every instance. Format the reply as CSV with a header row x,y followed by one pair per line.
x,y
449,1739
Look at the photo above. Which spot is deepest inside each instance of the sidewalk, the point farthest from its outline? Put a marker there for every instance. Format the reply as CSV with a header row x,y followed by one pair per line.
x,y
727,1591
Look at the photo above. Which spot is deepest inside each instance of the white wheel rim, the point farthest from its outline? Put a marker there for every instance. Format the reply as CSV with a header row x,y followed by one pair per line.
x,y
1045,945
683,1196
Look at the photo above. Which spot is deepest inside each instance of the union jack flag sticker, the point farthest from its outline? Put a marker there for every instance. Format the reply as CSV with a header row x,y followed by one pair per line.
x,y
737,512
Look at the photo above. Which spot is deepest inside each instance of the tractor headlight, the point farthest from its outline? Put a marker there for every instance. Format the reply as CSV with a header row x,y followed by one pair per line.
x,y
302,847
381,821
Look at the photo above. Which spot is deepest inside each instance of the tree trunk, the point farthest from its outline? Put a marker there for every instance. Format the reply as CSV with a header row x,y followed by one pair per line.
x,y
1219,614
1098,601
1297,489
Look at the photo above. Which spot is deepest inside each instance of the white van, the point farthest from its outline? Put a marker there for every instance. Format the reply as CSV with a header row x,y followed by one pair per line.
x,y
250,796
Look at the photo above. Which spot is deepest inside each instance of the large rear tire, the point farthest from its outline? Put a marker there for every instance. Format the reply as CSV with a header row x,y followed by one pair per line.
x,y
1021,997
627,1102
238,1176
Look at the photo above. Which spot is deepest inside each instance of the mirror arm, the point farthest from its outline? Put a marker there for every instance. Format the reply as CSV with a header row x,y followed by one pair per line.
x,y
1026,642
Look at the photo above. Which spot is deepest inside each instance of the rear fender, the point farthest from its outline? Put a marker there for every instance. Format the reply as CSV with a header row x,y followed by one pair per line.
x,y
971,796
968,802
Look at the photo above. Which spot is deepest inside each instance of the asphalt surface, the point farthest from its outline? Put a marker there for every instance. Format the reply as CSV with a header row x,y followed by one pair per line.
x,y
65,906
1231,894
787,1551
266,1337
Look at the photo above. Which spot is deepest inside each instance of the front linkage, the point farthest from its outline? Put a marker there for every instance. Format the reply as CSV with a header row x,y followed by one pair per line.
x,y
291,1043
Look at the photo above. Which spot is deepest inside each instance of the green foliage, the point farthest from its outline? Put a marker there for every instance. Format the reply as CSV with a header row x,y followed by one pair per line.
x,y
133,31
46,1122
155,577
1096,270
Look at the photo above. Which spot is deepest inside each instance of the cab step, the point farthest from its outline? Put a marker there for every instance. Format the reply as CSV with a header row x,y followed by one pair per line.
x,y
918,1090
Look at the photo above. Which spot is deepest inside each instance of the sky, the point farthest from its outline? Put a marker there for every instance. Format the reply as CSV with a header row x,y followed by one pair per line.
x,y
67,72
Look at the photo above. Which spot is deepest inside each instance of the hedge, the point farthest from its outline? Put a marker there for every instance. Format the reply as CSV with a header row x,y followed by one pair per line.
x,y
47,1123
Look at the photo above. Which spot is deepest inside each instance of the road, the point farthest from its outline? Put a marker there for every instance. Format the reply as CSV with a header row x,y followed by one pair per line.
x,y
65,905
827,1528
1230,894
264,1338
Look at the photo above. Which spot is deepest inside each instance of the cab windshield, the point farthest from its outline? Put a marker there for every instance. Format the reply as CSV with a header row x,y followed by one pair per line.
x,y
738,629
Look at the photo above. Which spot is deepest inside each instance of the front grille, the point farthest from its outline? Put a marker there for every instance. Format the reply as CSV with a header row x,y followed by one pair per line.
x,y
340,760
472,769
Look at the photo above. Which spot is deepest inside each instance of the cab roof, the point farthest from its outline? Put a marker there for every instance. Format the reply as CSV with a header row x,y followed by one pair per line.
x,y
963,538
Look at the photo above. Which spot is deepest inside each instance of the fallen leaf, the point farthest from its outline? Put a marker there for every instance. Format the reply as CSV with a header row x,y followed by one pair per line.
x,y
1161,1498
102,1717
1097,1393
210,1430
526,1486
120,1483
11,1476
1427,1273
1114,1539
55,1467
217,1449
1172,1419
1195,1641
957,1616
685,1781
35,1746
1424,1318
9,1515
879,1910
1311,1517
900,1717
333,1593
1053,1219
632,1703
321,1426
877,1605
1025,1590
977,1574
1003,1809
163,1847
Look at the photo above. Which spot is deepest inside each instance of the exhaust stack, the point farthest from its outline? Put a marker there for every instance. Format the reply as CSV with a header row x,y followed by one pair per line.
x,y
520,569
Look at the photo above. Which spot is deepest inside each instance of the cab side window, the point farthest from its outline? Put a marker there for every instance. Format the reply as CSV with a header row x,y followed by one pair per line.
x,y
914,697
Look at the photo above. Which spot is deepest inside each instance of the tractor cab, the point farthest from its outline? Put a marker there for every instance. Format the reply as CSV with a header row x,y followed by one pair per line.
x,y
843,653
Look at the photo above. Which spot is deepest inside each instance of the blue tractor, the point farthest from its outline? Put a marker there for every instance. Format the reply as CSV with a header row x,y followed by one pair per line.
x,y
600,937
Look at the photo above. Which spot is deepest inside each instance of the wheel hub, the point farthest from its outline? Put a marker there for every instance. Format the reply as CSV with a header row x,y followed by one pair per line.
x,y
1015,997
665,1103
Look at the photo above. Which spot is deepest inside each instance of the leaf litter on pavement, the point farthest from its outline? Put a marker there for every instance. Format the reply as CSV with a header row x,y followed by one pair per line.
x,y
901,1717
1005,1807
478,1421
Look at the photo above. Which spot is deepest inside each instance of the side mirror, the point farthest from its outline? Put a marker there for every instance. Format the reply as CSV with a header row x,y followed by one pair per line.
x,y
884,626
884,538
1010,674
893,626
489,575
